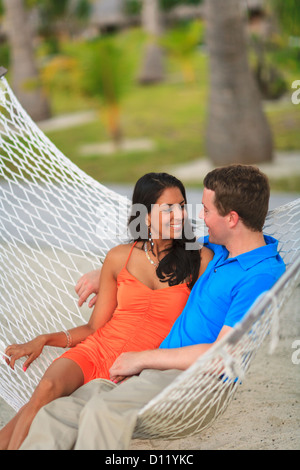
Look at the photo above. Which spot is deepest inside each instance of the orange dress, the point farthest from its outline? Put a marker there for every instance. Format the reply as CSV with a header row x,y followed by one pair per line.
x,y
141,321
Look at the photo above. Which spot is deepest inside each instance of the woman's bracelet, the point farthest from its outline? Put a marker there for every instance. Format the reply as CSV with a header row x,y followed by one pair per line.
x,y
69,339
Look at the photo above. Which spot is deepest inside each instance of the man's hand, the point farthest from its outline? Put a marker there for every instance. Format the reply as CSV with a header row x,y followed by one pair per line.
x,y
88,284
126,365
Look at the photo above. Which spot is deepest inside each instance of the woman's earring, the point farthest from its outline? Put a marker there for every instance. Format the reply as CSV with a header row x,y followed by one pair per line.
x,y
150,241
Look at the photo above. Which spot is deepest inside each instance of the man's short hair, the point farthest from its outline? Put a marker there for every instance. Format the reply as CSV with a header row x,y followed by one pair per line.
x,y
243,189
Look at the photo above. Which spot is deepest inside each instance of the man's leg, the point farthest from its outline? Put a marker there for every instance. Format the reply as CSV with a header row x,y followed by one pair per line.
x,y
55,427
108,419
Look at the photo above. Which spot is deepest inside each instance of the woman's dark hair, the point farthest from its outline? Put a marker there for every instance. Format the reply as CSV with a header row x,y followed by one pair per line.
x,y
179,263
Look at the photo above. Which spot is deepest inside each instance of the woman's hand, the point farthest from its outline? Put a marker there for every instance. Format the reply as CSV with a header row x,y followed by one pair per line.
x,y
32,349
88,284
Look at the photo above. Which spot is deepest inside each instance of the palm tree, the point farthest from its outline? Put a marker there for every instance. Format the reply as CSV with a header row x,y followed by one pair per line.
x,y
237,131
106,74
25,80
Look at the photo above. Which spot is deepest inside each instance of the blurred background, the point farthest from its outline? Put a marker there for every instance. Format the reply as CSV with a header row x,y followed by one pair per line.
x,y
123,87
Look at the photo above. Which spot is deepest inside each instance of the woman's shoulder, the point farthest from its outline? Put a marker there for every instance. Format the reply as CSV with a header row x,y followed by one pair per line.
x,y
119,254
119,250
206,254
117,257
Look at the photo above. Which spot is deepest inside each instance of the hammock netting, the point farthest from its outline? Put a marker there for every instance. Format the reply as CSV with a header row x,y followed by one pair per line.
x,y
57,223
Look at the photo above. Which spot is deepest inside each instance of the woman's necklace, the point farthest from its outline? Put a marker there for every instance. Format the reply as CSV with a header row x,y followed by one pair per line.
x,y
148,257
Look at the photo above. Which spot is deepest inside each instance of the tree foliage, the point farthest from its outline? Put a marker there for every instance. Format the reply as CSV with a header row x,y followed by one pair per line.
x,y
53,7
133,7
181,43
98,69
288,14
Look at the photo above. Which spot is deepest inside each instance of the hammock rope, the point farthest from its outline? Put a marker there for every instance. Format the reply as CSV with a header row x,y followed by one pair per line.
x,y
56,223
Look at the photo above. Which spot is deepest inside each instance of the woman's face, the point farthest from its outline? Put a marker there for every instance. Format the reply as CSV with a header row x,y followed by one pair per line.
x,y
167,216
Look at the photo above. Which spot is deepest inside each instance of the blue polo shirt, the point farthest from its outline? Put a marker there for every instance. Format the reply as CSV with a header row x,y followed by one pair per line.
x,y
225,292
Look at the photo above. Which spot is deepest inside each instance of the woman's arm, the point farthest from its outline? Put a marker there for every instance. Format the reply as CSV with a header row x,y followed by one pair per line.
x,y
103,310
105,304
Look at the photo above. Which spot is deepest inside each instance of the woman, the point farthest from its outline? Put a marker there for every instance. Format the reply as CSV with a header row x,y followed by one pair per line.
x,y
143,288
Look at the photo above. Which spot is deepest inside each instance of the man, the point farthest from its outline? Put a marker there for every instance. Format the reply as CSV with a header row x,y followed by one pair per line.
x,y
101,414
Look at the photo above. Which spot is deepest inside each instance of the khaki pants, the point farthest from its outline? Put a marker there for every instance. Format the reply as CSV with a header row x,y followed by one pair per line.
x,y
99,415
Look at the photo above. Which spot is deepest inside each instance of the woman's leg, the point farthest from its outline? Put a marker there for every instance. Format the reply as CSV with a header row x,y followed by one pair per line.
x,y
55,427
61,379
7,430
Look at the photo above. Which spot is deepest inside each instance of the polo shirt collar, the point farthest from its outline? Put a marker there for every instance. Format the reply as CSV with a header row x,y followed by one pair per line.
x,y
253,257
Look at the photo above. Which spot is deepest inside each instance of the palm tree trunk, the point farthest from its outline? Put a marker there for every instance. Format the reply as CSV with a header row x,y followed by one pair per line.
x,y
238,131
24,72
152,69
113,123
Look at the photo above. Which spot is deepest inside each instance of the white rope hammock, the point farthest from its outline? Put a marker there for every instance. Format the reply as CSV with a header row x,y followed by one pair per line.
x,y
57,223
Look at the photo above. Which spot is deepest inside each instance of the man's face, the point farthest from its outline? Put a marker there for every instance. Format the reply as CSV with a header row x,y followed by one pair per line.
x,y
216,224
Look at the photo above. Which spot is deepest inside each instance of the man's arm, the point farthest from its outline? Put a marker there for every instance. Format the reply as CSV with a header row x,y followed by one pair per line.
x,y
132,363
88,284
